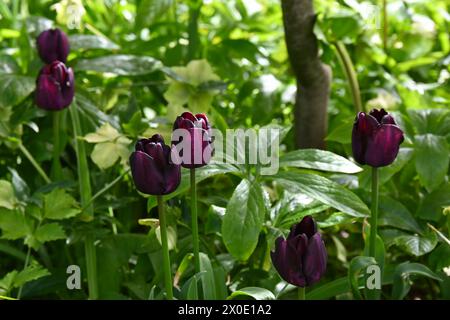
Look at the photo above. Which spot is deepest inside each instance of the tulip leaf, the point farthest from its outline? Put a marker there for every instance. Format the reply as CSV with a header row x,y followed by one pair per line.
x,y
255,293
402,278
207,280
323,190
329,290
123,65
357,265
89,41
58,205
243,219
14,89
429,146
318,160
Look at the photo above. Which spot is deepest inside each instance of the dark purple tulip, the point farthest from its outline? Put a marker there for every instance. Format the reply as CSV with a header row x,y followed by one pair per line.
x,y
152,169
55,86
376,138
199,131
53,44
301,259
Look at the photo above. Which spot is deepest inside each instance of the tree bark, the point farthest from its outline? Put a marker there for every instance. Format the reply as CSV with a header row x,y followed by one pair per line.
x,y
313,77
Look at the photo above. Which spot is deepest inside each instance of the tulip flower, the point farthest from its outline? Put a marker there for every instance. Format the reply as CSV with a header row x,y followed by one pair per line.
x,y
55,86
376,138
301,258
198,139
152,169
53,44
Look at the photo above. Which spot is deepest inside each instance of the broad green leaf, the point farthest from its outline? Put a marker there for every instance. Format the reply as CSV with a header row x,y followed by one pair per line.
x,y
318,160
417,245
429,146
49,232
335,219
255,293
7,198
342,133
15,88
402,278
393,213
329,290
243,219
89,41
13,224
8,65
207,280
357,265
60,205
149,11
106,133
123,65
323,190
432,205
434,121
200,174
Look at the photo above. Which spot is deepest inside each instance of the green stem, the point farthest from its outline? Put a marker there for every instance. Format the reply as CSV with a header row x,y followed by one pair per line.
x,y
34,162
56,167
195,241
350,74
301,293
374,216
194,41
27,259
165,248
85,195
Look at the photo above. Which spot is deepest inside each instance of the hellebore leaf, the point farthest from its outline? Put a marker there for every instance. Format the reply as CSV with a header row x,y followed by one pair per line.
x,y
323,190
15,88
318,160
429,146
253,292
243,219
59,205
417,245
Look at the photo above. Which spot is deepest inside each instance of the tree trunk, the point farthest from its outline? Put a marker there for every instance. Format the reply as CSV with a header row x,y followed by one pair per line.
x,y
313,77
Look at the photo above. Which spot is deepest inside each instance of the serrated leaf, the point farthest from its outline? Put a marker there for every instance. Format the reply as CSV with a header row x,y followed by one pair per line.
x,y
31,273
7,198
59,205
13,224
49,232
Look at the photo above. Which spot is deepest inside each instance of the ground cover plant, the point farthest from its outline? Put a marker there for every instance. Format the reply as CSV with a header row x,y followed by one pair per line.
x,y
116,123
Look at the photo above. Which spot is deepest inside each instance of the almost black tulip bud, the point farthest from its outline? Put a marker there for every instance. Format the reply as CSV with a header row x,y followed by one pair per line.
x,y
53,44
198,140
55,86
376,138
301,259
152,169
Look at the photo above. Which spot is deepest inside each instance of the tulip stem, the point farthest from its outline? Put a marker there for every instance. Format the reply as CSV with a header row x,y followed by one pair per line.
x,y
301,293
374,216
195,242
56,167
165,248
85,195
34,162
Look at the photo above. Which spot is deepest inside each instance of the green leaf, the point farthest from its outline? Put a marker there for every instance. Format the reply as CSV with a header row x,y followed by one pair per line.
x,y
207,280
14,89
357,265
123,65
149,11
253,292
435,121
31,273
13,224
393,213
49,232
432,205
335,219
329,290
7,198
88,41
318,160
417,245
402,281
243,219
431,173
8,65
59,205
323,190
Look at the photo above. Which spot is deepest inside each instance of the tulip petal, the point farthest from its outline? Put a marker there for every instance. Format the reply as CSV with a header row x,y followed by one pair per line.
x,y
362,128
52,45
378,114
388,119
315,260
284,260
383,145
306,226
147,177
